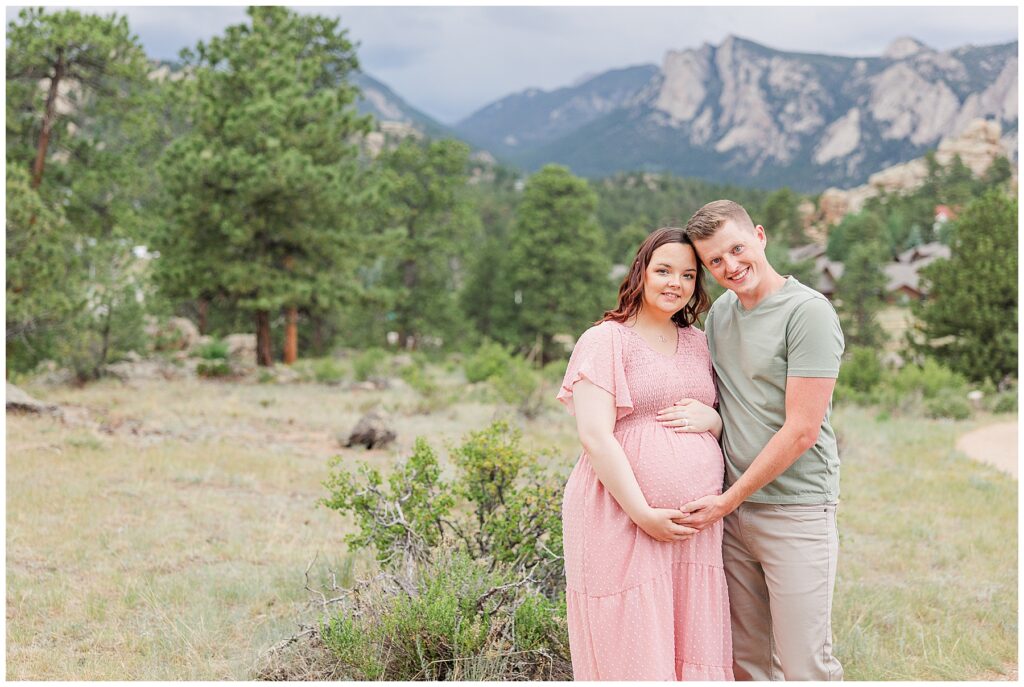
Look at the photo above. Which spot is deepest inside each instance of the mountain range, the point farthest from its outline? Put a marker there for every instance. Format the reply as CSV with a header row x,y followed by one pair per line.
x,y
744,113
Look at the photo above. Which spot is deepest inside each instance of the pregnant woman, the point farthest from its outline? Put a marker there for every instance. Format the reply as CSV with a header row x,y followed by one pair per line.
x,y
647,597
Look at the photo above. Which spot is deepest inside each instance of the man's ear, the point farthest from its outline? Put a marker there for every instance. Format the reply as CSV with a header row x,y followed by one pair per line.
x,y
762,235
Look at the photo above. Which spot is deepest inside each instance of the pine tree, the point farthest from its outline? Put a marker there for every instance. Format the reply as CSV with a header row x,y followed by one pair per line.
x,y
556,269
430,227
969,319
264,190
79,117
860,293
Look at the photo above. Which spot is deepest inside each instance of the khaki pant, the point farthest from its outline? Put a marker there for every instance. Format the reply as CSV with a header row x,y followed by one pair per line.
x,y
780,565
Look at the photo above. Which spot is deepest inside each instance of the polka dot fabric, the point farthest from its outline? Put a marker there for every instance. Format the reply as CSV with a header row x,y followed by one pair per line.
x,y
640,609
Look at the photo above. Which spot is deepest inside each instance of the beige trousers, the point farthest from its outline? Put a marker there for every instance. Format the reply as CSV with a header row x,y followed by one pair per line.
x,y
780,565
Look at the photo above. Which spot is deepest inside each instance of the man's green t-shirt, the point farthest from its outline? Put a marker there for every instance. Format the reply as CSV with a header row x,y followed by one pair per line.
x,y
794,332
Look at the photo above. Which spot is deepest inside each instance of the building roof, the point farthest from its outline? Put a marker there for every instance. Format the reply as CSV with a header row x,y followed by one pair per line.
x,y
926,251
801,253
900,275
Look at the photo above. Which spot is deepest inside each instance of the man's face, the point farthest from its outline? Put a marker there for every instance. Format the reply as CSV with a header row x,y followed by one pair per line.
x,y
735,257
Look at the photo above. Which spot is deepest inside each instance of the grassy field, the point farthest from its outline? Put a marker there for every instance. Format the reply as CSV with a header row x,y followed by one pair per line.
x,y
170,541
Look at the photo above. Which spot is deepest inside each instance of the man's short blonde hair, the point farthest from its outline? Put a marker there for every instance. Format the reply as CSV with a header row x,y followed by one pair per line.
x,y
710,218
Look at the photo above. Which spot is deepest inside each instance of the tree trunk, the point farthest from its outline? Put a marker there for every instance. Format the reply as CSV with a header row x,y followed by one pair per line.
x,y
49,118
318,335
264,357
203,306
409,278
291,334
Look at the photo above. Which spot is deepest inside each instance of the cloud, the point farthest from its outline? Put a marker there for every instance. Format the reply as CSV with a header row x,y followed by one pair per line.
x,y
450,61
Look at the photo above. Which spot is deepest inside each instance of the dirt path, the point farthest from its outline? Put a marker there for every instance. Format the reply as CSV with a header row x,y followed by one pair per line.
x,y
995,445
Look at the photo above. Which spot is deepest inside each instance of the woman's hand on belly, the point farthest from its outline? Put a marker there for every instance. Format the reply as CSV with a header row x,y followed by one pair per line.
x,y
690,416
660,524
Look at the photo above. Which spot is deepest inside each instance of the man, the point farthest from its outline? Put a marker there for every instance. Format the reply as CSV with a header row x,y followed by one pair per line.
x,y
776,346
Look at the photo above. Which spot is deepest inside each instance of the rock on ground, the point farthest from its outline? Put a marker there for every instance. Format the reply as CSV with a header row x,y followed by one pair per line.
x,y
372,431
20,402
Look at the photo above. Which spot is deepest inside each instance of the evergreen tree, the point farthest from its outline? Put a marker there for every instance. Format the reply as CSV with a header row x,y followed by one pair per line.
x,y
969,320
556,269
43,278
430,228
263,191
860,293
79,116
780,217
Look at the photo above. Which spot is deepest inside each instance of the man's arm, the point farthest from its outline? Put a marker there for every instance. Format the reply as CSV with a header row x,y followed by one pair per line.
x,y
807,400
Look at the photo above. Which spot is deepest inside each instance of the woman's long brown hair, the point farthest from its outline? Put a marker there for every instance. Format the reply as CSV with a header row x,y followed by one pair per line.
x,y
631,292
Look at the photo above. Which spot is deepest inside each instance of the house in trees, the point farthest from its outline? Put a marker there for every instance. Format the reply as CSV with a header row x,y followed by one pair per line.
x,y
902,275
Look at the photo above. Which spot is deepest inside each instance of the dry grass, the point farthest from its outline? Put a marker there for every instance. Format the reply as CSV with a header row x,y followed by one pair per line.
x,y
178,551
173,546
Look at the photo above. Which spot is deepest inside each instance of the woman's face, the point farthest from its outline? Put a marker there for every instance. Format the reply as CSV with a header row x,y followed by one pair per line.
x,y
670,278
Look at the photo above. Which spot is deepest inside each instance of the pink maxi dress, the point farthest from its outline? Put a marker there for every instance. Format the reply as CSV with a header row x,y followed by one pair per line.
x,y
640,609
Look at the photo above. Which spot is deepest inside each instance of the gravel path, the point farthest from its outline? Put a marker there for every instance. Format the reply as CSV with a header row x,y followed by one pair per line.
x,y
995,445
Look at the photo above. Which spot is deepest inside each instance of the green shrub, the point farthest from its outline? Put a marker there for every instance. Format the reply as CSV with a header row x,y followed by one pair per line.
x,y
515,505
489,360
213,368
417,376
930,380
460,619
369,363
862,371
948,404
214,350
327,370
472,570
1005,402
521,386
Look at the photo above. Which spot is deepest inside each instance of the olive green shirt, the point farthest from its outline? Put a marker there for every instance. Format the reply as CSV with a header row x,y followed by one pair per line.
x,y
793,332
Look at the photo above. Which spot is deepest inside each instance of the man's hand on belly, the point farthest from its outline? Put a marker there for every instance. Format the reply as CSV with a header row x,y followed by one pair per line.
x,y
706,511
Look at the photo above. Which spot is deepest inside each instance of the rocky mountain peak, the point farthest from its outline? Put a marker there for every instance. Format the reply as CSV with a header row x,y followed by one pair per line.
x,y
905,46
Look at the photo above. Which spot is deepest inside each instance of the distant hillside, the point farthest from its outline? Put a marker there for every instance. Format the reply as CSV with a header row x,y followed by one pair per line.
x,y
745,113
384,104
525,121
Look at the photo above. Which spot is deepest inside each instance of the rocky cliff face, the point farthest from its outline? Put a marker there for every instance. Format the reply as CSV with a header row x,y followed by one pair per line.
x,y
979,144
742,112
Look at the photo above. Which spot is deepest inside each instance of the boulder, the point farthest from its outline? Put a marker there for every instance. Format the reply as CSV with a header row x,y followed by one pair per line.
x,y
177,334
20,402
372,431
129,371
241,349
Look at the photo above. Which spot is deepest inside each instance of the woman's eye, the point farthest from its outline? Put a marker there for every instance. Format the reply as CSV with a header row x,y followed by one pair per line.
x,y
662,271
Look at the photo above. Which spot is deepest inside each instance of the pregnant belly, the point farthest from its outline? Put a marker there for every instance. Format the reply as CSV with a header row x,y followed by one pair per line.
x,y
671,468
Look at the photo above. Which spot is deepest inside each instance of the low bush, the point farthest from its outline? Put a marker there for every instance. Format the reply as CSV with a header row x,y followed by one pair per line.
x,y
471,582
213,368
521,386
929,380
417,375
489,360
950,403
862,370
214,350
1005,402
369,363
327,370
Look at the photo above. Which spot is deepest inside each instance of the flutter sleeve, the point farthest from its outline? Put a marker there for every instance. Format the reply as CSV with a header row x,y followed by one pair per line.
x,y
598,356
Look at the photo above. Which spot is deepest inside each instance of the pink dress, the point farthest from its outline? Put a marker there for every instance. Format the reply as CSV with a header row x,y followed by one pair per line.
x,y
640,609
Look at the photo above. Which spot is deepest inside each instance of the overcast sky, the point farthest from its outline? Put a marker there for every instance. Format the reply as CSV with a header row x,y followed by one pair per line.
x,y
451,61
